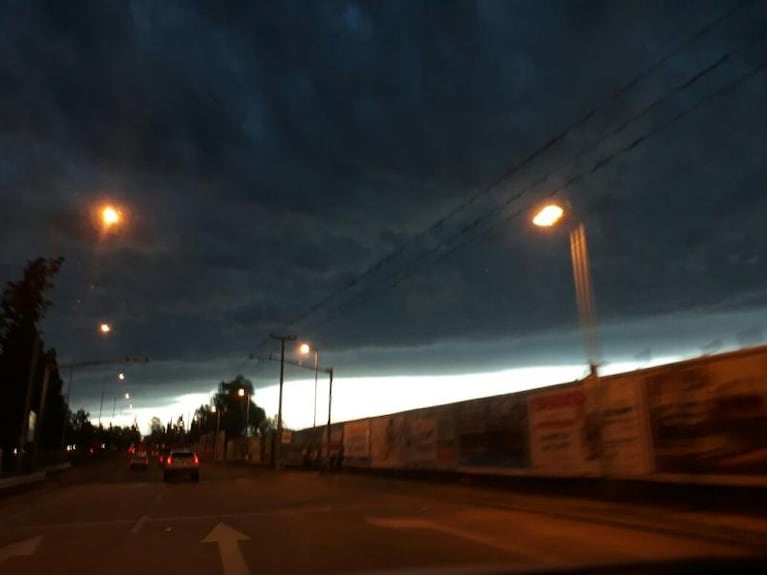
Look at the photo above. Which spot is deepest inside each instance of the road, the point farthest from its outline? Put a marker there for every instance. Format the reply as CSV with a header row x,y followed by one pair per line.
x,y
239,520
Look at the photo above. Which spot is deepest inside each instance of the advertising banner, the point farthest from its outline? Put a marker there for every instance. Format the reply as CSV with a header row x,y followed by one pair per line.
x,y
493,432
357,440
564,437
625,433
421,437
387,441
710,416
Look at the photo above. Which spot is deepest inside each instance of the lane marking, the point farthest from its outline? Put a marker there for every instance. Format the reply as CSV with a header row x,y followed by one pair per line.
x,y
227,538
105,523
139,524
177,518
20,548
403,523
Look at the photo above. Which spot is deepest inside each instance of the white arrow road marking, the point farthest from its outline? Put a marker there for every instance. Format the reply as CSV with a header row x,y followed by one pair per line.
x,y
473,536
227,539
20,548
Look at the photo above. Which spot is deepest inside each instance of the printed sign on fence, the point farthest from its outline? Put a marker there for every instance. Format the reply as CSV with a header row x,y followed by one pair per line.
x,y
710,417
422,444
493,432
387,441
563,437
357,439
625,438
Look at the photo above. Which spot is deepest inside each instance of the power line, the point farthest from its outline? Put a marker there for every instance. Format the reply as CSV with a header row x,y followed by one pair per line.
x,y
602,163
559,137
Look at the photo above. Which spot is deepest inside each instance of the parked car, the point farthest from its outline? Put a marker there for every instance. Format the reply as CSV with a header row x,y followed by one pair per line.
x,y
180,463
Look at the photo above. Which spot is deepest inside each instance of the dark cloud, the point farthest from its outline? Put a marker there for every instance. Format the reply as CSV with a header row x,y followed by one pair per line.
x,y
266,154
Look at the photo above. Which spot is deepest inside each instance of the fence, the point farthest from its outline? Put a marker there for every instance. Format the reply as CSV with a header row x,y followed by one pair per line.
x,y
699,419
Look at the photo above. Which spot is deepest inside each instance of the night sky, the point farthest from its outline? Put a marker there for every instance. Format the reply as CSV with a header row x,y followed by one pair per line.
x,y
266,155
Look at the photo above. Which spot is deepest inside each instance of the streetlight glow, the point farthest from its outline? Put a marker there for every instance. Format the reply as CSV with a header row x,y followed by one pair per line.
x,y
120,376
127,396
105,328
241,392
304,349
548,215
110,216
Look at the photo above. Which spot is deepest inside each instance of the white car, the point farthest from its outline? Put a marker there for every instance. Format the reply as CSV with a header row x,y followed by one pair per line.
x,y
182,462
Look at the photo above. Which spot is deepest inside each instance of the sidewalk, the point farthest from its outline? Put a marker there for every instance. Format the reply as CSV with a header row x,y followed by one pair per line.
x,y
712,525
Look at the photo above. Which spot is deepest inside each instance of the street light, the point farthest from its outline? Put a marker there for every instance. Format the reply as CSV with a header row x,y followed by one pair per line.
x,y
121,376
242,393
110,216
548,216
127,396
105,328
306,349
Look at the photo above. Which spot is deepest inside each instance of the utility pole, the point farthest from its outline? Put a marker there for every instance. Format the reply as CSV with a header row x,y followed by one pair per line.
x,y
330,404
277,448
28,402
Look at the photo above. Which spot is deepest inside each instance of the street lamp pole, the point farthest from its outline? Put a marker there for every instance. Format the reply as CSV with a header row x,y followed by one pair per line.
x,y
549,216
330,404
305,349
584,295
277,448
101,405
316,369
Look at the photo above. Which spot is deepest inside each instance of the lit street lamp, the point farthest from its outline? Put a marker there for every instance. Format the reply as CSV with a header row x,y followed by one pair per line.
x,y
105,328
110,216
242,393
306,349
548,216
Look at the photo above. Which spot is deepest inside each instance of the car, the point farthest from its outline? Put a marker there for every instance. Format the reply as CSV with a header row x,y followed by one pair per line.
x,y
139,461
182,462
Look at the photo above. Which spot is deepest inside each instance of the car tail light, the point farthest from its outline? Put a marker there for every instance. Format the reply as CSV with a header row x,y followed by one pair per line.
x,y
169,460
196,460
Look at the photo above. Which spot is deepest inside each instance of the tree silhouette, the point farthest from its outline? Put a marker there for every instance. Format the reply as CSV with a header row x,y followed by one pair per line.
x,y
22,307
232,410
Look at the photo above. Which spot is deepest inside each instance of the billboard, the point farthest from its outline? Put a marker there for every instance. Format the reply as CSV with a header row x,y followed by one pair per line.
x,y
387,441
564,435
421,438
626,446
493,432
357,440
710,416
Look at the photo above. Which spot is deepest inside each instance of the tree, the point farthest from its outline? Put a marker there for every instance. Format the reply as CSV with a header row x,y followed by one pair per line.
x,y
81,429
22,307
232,410
156,431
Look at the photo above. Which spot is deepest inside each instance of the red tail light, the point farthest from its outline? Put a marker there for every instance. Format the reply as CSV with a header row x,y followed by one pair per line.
x,y
169,460
196,460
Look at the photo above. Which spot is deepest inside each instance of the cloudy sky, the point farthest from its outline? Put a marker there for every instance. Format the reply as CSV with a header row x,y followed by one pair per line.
x,y
290,166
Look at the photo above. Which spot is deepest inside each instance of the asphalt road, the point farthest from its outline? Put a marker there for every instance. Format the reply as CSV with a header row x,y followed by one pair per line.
x,y
237,520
